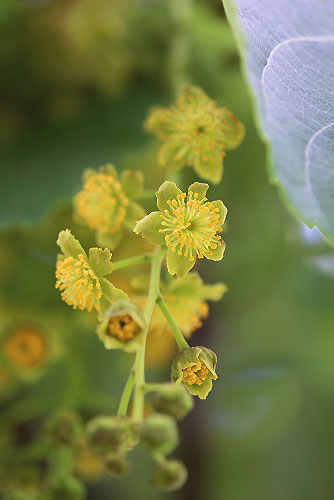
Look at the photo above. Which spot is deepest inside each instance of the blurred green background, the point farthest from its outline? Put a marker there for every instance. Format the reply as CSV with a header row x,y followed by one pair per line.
x,y
77,80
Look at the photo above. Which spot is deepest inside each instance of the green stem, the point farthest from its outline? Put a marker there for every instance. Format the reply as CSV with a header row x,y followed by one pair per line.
x,y
138,406
180,340
131,261
125,398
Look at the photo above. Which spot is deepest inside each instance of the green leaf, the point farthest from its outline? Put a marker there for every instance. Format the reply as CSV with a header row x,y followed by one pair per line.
x,y
288,49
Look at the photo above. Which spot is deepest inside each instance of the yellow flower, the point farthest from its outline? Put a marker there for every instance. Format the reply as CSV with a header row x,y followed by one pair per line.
x,y
196,132
80,278
106,203
187,224
26,348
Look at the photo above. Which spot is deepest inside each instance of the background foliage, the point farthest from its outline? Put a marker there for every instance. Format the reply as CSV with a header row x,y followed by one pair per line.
x,y
265,431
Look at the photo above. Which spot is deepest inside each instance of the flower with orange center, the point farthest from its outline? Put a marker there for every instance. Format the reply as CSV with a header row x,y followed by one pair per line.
x,y
106,203
80,278
195,368
26,348
196,132
122,326
187,224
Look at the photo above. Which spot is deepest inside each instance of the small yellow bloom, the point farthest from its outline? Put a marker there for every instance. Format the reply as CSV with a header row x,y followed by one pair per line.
x,y
123,327
195,374
106,203
102,202
26,348
196,132
80,278
78,283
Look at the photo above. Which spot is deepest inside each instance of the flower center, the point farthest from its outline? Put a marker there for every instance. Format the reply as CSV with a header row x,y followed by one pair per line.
x,y
195,374
123,327
102,203
26,348
80,286
191,226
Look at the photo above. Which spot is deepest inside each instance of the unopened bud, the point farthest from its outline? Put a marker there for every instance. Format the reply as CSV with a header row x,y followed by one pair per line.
x,y
67,488
111,434
169,475
117,465
173,400
159,433
64,428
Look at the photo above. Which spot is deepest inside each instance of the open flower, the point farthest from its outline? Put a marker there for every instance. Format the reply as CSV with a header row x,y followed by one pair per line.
x,y
106,203
188,224
80,278
122,327
195,367
196,132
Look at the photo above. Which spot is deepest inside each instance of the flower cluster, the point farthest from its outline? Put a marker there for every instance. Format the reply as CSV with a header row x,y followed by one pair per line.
x,y
186,228
196,132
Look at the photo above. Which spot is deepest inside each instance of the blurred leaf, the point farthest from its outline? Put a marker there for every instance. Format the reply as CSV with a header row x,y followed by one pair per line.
x,y
288,48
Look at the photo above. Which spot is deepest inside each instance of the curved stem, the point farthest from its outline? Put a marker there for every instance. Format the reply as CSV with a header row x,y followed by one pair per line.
x,y
125,398
131,261
180,340
138,406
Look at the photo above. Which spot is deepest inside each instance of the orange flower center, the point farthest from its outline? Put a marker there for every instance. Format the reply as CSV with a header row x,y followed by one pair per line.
x,y
195,374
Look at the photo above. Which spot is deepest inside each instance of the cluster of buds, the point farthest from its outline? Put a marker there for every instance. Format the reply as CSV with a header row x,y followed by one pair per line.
x,y
185,228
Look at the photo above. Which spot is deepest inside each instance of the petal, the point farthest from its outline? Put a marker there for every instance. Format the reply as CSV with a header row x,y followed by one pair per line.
x,y
110,292
109,240
158,122
222,209
232,128
209,358
149,227
167,191
178,264
183,360
202,390
191,92
69,245
200,188
100,261
209,165
132,182
134,213
217,253
174,154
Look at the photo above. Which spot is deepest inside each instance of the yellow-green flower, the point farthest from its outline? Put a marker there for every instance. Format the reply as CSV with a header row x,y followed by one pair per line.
x,y
196,132
122,327
195,367
106,203
187,224
80,278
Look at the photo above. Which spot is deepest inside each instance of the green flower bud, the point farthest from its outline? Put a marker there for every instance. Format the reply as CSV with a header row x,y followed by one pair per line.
x,y
117,465
159,434
195,367
65,428
173,400
67,488
169,475
111,434
122,327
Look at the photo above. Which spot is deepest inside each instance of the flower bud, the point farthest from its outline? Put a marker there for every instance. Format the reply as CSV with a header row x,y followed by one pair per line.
x,y
122,327
173,400
111,434
67,488
169,475
117,465
195,367
159,434
65,428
